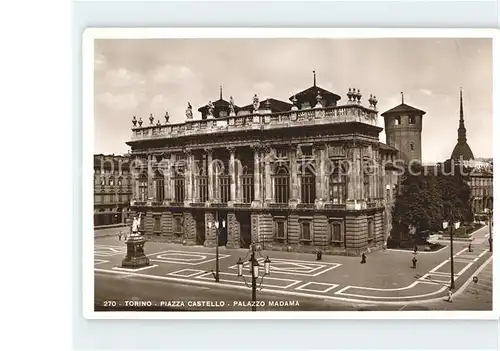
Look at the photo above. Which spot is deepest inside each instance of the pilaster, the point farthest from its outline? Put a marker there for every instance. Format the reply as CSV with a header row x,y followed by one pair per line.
x,y
267,175
189,228
210,236
210,171
233,227
256,176
232,174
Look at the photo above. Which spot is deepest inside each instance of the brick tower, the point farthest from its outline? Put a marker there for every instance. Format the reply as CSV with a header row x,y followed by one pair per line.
x,y
403,130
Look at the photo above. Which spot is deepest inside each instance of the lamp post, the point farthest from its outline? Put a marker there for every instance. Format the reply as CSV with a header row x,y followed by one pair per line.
x,y
489,212
254,271
455,225
216,225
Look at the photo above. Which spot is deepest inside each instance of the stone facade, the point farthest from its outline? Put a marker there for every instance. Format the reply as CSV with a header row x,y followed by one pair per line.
x,y
112,189
288,178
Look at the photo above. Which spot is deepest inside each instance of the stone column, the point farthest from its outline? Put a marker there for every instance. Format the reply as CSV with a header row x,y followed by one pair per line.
x,y
256,174
294,188
188,178
233,231
267,171
166,177
210,174
355,184
232,174
150,177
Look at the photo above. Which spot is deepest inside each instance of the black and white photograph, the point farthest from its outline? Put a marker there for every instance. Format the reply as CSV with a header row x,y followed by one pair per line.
x,y
305,172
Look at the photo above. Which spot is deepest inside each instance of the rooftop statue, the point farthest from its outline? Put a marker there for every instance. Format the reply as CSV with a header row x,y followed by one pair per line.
x,y
189,111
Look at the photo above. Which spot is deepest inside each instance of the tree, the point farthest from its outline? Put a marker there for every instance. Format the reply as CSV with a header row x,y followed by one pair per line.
x,y
419,204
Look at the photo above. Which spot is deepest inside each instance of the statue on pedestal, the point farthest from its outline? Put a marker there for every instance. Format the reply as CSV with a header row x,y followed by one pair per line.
x,y
256,102
135,257
189,111
136,223
231,106
210,108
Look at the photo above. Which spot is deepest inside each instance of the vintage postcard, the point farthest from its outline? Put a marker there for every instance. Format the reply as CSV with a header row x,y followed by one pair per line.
x,y
293,172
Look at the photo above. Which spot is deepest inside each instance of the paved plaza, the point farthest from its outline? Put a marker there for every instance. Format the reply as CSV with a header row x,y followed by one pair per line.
x,y
387,278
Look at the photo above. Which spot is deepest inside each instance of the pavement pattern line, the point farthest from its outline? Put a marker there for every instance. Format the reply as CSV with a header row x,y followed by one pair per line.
x,y
177,273
162,256
297,271
272,291
209,276
134,269
403,298
330,287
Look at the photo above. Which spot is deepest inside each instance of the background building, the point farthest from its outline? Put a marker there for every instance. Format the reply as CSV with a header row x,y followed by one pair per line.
x,y
299,176
112,189
481,176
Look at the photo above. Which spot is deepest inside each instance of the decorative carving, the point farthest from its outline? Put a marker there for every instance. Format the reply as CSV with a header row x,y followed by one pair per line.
x,y
167,117
358,96
268,104
151,118
255,102
189,111
231,105
350,94
140,122
134,121
294,103
373,102
158,123
210,107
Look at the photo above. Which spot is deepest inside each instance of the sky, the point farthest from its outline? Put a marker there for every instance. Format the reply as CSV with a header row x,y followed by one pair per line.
x,y
143,76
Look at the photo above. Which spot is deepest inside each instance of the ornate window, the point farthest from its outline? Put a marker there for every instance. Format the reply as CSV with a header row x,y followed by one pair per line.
x,y
280,229
120,181
224,182
370,228
307,185
305,231
111,181
177,224
179,184
366,184
338,183
412,147
397,121
411,120
247,185
281,185
157,224
143,187
336,232
160,186
103,181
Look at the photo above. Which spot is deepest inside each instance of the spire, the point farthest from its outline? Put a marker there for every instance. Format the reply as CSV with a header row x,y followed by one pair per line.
x,y
402,98
462,137
314,77
221,92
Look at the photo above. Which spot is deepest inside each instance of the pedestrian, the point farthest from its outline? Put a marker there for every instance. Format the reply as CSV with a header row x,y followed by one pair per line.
x,y
363,258
120,236
319,253
414,261
450,295
470,247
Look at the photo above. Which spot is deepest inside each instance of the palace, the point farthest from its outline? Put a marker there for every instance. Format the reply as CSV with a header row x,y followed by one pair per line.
x,y
112,189
297,176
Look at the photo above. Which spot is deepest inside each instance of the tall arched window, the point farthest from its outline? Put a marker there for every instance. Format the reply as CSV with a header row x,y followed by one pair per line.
x,y
366,184
202,181
111,181
307,185
247,185
143,187
160,185
338,184
281,185
223,178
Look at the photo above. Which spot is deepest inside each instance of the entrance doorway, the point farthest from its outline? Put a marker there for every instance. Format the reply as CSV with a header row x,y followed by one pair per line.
x,y
245,229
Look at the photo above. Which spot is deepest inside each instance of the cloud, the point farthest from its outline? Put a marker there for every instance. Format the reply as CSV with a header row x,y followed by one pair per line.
x,y
123,78
426,92
119,102
173,74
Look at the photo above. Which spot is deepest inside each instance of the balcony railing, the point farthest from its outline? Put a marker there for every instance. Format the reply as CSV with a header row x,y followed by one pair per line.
x,y
261,121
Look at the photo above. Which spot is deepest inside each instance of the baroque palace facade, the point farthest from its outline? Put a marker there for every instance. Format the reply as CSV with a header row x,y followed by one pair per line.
x,y
290,176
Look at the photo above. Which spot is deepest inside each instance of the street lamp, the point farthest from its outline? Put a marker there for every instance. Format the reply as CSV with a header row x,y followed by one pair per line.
x,y
216,225
254,271
489,212
456,225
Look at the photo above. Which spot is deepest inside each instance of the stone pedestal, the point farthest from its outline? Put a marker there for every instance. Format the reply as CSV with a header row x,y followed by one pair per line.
x,y
135,253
